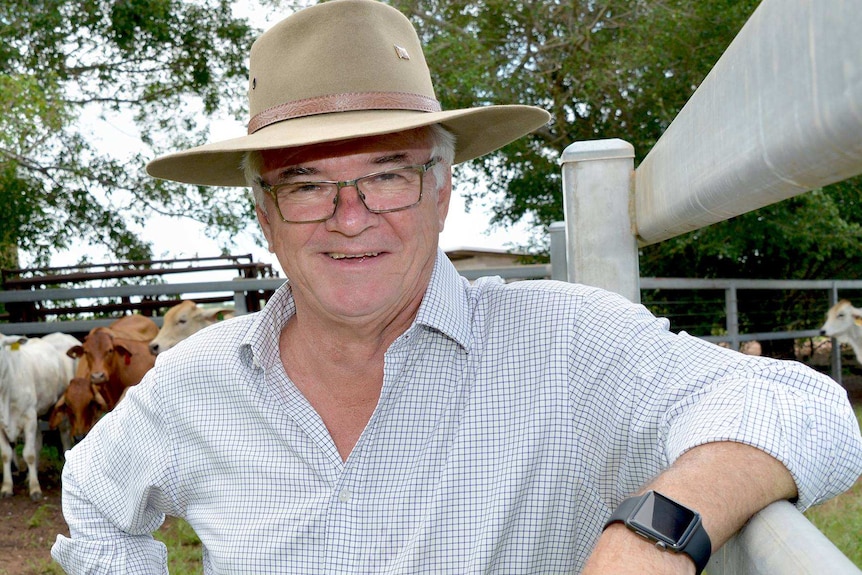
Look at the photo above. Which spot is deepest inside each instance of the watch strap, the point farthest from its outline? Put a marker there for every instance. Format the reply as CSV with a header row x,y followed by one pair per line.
x,y
698,547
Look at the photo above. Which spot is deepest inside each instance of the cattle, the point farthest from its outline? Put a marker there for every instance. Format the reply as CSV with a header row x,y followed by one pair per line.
x,y
183,320
112,359
80,406
844,323
34,373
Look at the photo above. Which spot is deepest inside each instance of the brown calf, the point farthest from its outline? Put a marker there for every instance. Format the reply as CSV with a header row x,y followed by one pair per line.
x,y
111,359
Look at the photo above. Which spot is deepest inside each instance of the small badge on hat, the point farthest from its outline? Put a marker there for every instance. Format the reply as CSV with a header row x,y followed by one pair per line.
x,y
401,52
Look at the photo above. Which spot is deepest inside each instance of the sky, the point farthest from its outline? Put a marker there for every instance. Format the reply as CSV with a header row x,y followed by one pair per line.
x,y
181,238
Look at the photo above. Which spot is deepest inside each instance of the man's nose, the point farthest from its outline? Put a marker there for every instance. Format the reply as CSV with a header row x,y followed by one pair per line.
x,y
351,214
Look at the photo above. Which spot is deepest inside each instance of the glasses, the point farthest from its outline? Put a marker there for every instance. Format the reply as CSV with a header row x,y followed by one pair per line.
x,y
381,193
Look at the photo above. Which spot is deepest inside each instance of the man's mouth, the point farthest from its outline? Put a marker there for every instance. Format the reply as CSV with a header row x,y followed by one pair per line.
x,y
338,256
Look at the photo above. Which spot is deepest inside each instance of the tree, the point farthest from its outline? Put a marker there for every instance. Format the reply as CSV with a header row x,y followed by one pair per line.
x,y
812,236
618,68
162,65
624,69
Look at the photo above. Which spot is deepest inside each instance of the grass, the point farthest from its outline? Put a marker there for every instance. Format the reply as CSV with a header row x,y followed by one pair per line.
x,y
184,547
38,517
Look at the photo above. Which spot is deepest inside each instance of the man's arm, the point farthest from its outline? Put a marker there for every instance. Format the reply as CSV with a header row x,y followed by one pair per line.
x,y
725,482
111,499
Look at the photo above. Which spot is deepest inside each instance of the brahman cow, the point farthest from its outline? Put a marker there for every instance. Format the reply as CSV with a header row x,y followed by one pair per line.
x,y
80,406
34,373
112,359
183,320
844,323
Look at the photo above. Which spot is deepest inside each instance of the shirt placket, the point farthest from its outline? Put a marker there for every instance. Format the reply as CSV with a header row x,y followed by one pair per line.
x,y
350,541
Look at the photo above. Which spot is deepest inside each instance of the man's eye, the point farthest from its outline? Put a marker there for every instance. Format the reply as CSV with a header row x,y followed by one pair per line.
x,y
301,188
390,180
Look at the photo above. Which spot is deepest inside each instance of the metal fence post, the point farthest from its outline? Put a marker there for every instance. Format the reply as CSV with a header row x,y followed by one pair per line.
x,y
597,198
732,322
239,302
557,233
836,347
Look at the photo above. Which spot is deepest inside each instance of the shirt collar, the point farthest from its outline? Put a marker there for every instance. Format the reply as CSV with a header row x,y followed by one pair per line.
x,y
446,307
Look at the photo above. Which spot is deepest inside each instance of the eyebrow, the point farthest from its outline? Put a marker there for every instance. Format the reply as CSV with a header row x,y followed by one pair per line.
x,y
399,158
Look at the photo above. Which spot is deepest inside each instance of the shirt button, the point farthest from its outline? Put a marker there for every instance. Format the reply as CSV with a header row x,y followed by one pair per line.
x,y
344,495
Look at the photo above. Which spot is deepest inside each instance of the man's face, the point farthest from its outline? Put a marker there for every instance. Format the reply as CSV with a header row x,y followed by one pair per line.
x,y
357,266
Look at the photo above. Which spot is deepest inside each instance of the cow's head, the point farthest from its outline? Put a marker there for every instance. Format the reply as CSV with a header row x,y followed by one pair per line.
x,y
183,320
81,404
841,320
99,354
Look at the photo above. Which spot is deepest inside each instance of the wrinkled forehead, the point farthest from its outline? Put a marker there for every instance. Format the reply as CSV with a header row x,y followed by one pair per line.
x,y
415,144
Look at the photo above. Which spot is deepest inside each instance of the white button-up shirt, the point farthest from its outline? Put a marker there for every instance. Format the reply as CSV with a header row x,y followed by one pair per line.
x,y
512,420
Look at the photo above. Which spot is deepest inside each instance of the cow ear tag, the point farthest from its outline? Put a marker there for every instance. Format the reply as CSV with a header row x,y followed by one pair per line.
x,y
857,319
128,360
15,346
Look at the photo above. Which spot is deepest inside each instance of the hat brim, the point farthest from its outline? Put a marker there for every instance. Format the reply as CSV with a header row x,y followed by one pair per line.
x,y
478,131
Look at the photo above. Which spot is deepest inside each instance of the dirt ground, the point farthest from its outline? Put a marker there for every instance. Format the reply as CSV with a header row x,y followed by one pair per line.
x,y
28,529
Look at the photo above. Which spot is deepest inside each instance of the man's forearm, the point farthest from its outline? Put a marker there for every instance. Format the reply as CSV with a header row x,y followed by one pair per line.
x,y
725,482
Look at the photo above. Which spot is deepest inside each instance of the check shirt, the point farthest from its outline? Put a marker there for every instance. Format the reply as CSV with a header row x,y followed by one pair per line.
x,y
513,418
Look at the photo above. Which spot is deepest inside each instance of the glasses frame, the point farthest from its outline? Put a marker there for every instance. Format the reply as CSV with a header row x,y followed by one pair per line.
x,y
421,169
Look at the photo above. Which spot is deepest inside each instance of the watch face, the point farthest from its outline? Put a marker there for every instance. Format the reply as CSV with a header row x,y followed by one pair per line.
x,y
663,518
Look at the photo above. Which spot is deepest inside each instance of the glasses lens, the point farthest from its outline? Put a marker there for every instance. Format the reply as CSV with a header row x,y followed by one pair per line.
x,y
391,190
306,201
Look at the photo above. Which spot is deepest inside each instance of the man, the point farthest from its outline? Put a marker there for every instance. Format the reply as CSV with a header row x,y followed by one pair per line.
x,y
382,415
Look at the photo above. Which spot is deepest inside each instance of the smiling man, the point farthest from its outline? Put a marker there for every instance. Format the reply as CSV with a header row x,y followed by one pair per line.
x,y
383,415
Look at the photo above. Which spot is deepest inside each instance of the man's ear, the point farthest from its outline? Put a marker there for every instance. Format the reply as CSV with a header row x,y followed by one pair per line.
x,y
444,194
265,226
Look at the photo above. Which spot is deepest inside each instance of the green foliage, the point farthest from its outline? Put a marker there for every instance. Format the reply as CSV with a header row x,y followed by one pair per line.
x,y
811,236
157,63
615,69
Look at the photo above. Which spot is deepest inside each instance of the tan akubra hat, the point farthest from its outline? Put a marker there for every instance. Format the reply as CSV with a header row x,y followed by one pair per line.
x,y
335,71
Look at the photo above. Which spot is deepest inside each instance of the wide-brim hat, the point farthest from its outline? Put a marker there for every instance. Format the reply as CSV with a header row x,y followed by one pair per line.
x,y
335,71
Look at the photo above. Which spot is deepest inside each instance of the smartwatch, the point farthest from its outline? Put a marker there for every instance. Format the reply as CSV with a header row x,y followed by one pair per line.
x,y
671,526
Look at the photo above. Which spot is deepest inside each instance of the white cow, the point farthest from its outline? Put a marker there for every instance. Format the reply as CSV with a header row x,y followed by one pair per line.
x,y
183,320
844,323
34,373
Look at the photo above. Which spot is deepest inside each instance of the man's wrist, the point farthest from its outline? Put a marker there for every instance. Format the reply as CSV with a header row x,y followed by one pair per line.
x,y
666,524
621,552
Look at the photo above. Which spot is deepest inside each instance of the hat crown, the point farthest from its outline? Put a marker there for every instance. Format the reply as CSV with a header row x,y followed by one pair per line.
x,y
342,70
336,48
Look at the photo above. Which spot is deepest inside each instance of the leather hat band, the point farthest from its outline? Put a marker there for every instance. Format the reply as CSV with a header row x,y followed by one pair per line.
x,y
350,102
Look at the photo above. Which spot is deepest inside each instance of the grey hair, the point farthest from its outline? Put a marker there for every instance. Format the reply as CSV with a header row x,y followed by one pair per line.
x,y
442,146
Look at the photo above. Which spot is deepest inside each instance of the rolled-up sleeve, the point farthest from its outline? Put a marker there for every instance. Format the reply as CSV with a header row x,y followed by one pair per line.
x,y
114,493
675,392
799,416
